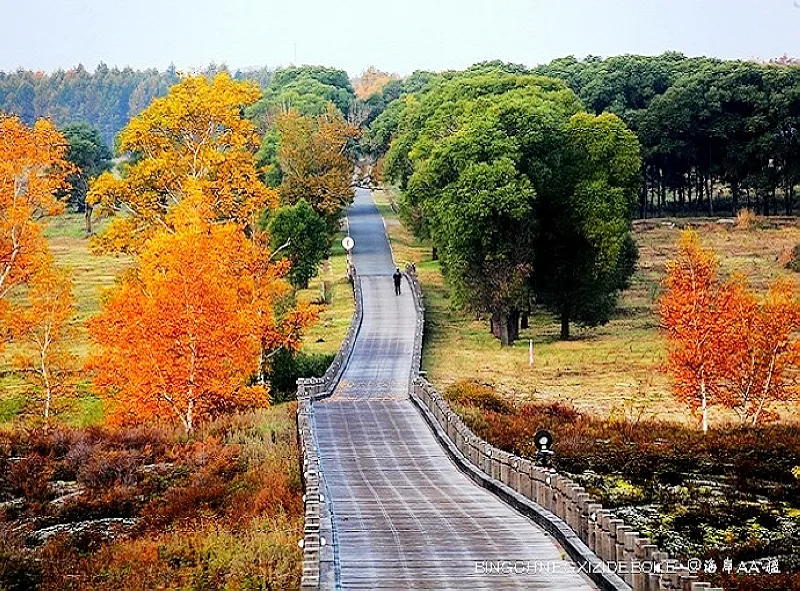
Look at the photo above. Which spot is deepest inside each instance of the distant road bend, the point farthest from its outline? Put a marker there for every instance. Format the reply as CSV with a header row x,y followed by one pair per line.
x,y
404,516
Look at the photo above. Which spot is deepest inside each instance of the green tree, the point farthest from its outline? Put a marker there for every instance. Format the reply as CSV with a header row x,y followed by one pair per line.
x,y
91,157
306,89
513,183
587,252
302,237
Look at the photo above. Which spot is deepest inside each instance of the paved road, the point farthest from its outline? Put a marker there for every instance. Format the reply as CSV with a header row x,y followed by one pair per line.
x,y
405,516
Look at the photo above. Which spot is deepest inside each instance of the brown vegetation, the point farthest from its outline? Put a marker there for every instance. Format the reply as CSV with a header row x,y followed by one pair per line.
x,y
734,493
144,508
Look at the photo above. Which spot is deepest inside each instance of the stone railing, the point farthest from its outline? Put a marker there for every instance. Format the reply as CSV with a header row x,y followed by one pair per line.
x,y
610,552
419,331
319,554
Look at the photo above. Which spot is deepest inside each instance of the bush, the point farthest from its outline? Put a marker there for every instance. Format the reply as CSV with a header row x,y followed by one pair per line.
x,y
288,367
746,219
792,262
30,478
219,509
108,468
479,395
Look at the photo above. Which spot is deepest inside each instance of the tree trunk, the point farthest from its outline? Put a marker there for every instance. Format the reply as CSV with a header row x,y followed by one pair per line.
x,y
190,416
494,325
47,388
564,326
434,254
710,195
775,200
506,334
87,216
765,207
643,201
704,406
513,322
735,196
689,188
524,321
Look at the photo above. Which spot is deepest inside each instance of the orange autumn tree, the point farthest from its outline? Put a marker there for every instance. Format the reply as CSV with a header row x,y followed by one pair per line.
x,y
763,367
316,157
33,169
371,81
697,311
192,143
181,337
189,333
41,322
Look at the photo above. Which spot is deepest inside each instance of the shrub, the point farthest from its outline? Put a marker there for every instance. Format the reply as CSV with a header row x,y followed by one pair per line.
x,y
213,477
746,219
18,571
104,469
30,478
219,509
287,368
474,393
792,262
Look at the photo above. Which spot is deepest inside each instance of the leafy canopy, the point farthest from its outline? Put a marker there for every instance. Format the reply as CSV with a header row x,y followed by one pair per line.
x,y
192,143
521,192
302,236
33,171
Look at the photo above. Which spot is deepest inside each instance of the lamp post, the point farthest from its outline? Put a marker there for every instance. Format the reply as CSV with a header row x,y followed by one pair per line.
x,y
543,441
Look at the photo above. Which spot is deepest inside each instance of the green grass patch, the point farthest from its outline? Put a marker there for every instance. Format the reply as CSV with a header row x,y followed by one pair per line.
x,y
85,411
326,336
11,407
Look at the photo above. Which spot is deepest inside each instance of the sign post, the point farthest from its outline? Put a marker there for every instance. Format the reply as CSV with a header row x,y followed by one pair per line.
x,y
348,243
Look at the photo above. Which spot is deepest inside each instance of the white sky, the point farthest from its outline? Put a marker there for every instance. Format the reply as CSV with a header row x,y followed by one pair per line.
x,y
398,36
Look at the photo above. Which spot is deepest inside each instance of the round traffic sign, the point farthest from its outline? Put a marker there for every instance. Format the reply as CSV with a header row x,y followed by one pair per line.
x,y
348,243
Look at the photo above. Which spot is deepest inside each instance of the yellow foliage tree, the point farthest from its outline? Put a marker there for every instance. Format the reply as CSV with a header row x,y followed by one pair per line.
x,y
41,323
33,169
317,161
192,143
372,80
181,337
188,333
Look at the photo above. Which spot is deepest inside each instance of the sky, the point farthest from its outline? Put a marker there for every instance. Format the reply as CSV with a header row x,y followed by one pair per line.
x,y
398,36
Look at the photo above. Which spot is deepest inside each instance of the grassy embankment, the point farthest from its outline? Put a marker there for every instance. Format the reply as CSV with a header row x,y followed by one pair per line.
x,y
616,369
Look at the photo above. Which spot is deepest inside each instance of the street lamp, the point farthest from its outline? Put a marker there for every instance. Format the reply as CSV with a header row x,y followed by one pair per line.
x,y
543,441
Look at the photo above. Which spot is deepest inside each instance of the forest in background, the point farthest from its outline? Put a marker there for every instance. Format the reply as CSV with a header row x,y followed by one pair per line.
x,y
106,99
716,135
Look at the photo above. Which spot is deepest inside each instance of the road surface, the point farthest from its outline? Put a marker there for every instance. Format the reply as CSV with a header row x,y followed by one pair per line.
x,y
404,516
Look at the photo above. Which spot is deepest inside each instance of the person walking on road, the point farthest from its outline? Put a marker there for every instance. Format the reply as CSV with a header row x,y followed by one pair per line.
x,y
398,278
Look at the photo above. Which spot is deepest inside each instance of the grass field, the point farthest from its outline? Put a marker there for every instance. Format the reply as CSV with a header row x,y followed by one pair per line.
x,y
92,273
326,336
617,369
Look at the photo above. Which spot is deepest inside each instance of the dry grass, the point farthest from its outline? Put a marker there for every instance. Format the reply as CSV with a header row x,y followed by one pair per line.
x,y
221,509
613,370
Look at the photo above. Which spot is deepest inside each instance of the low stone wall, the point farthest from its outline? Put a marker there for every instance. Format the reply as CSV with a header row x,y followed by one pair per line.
x,y
319,557
588,532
